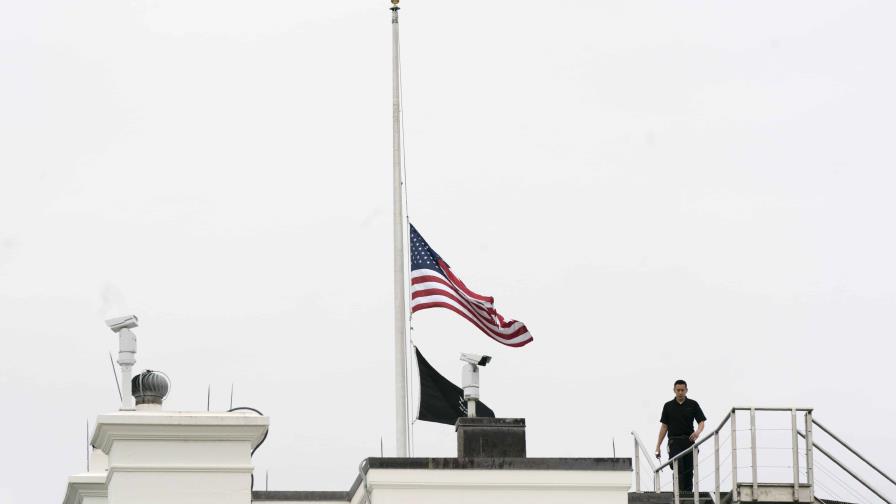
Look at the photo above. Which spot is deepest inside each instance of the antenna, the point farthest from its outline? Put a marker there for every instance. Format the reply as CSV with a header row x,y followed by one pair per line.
x,y
614,447
381,447
231,395
208,399
115,375
87,438
266,480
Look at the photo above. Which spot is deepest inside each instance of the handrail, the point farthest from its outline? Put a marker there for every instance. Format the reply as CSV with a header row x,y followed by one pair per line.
x,y
656,476
647,455
730,418
770,408
857,454
722,424
698,443
848,471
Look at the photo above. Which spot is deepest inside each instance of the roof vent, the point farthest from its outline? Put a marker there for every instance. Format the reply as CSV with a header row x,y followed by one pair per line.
x,y
149,389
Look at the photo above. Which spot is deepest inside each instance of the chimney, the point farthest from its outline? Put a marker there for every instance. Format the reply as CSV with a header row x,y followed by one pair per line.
x,y
479,437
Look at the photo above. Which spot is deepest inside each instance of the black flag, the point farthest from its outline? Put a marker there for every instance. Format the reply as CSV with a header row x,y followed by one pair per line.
x,y
440,400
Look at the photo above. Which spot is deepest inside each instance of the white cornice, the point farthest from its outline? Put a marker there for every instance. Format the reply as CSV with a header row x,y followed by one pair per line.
x,y
181,468
174,426
593,481
442,485
245,469
85,485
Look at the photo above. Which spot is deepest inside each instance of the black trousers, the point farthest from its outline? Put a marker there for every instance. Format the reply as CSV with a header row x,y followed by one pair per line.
x,y
678,444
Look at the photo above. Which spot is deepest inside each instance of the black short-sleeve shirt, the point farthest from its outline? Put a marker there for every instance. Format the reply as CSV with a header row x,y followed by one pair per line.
x,y
680,418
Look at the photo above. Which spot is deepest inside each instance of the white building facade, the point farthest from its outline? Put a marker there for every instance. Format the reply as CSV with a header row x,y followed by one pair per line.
x,y
150,456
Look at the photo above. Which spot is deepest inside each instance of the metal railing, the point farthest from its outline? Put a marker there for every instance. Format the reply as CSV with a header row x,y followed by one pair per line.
x,y
807,486
731,419
841,465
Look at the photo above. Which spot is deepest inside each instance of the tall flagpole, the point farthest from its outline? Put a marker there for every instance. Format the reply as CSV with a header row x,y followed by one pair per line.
x,y
401,389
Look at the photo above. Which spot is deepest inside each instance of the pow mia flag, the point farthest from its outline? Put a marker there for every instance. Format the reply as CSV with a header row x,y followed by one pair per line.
x,y
440,400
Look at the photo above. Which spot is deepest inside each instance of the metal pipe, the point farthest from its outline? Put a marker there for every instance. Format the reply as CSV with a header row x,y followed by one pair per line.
x,y
734,496
848,471
810,468
796,457
637,468
695,488
751,408
647,455
718,478
753,453
863,459
675,481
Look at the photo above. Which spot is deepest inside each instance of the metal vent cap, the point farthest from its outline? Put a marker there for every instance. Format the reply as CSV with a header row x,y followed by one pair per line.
x,y
150,387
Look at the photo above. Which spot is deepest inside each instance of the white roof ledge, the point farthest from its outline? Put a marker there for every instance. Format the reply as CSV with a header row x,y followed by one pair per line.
x,y
179,426
85,485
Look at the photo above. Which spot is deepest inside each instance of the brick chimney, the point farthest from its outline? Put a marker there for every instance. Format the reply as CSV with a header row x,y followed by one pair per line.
x,y
480,437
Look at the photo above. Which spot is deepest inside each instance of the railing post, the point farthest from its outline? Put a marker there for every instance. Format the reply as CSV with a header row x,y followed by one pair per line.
x,y
695,487
810,474
753,453
715,439
675,480
734,496
796,456
637,467
656,481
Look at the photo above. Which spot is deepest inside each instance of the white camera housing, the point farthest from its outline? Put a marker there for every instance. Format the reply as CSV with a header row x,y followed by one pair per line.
x,y
119,323
475,359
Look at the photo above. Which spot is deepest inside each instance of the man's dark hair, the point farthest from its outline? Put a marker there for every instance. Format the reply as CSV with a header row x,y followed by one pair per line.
x,y
681,382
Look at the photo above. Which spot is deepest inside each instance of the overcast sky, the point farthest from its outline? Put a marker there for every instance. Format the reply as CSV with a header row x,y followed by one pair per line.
x,y
657,189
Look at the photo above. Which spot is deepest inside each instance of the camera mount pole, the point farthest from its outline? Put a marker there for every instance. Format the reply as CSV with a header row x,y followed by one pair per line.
x,y
470,382
127,357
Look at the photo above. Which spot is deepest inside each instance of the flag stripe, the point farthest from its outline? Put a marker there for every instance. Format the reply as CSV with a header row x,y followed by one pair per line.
x,y
517,341
426,293
428,279
432,282
457,281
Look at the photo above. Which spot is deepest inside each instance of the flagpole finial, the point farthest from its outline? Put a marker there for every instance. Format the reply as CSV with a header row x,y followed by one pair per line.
x,y
395,3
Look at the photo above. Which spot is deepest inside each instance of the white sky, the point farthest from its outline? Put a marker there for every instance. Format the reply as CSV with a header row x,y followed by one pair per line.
x,y
658,189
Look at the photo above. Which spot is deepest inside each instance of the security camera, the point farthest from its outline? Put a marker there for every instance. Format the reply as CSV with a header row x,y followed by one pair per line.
x,y
479,360
119,323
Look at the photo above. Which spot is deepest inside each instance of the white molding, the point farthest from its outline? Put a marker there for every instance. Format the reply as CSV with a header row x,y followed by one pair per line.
x,y
174,426
448,485
241,469
159,468
85,485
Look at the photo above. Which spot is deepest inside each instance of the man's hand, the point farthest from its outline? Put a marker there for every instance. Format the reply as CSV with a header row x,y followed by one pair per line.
x,y
657,454
694,436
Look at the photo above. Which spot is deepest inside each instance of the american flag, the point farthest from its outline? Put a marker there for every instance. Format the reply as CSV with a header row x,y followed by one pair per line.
x,y
433,285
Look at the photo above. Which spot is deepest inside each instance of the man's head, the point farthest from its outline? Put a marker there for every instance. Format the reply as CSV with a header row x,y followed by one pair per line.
x,y
681,390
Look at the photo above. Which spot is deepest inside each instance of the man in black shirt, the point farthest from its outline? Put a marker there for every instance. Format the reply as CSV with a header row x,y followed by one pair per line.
x,y
677,420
